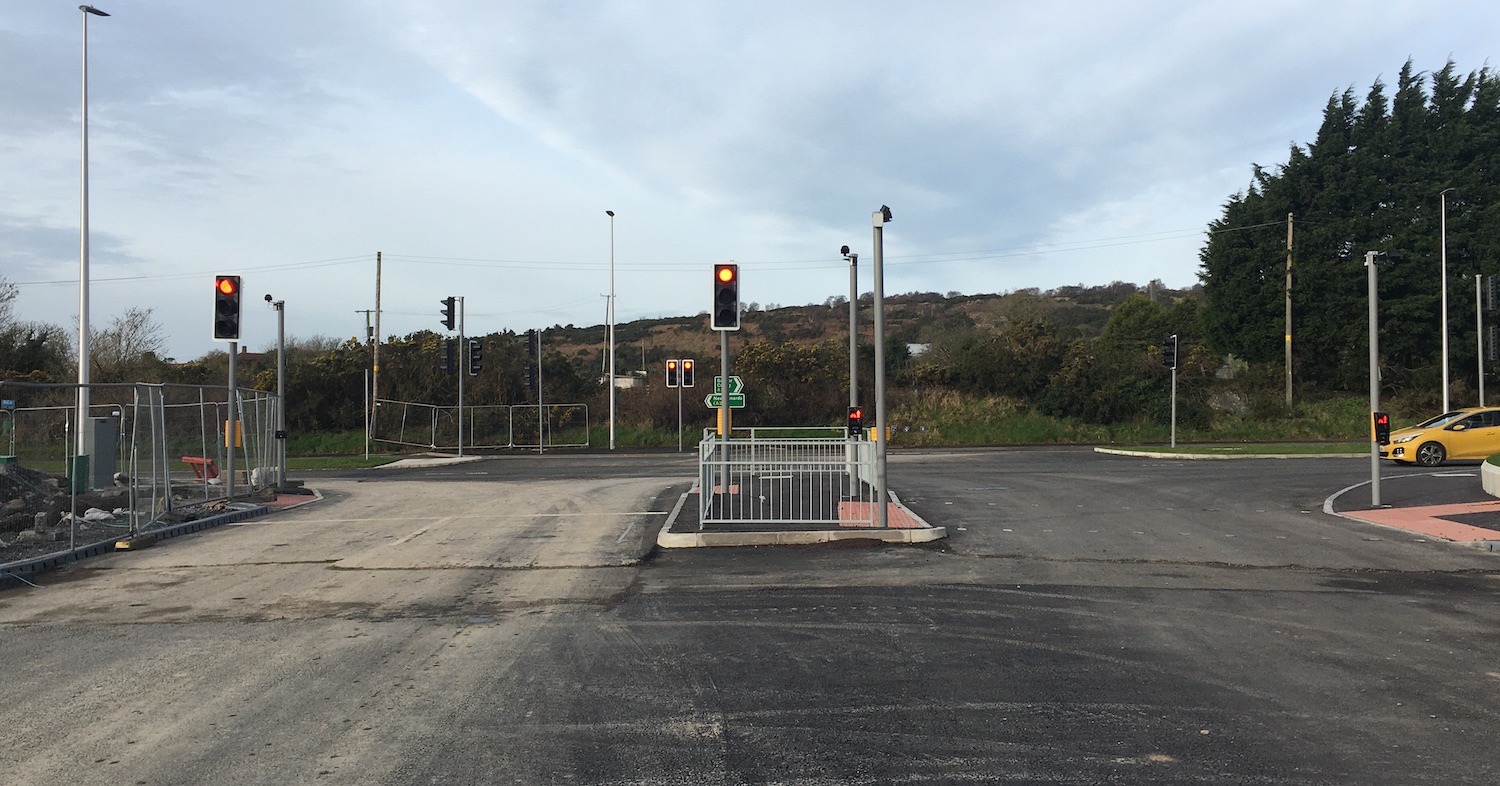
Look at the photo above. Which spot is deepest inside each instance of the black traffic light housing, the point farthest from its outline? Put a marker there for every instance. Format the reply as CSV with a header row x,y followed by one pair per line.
x,y
450,314
227,308
856,425
1380,427
686,370
1169,351
476,357
674,373
725,314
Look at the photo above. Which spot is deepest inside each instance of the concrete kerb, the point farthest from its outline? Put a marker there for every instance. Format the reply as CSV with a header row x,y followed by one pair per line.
x,y
429,460
19,572
668,539
1162,454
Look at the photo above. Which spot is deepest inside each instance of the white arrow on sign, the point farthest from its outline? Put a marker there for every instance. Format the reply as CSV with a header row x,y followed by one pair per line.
x,y
714,400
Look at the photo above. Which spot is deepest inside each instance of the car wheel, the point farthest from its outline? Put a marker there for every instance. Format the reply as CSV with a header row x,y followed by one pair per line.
x,y
1431,454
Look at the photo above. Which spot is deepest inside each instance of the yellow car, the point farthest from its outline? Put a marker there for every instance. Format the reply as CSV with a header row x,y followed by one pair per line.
x,y
1472,433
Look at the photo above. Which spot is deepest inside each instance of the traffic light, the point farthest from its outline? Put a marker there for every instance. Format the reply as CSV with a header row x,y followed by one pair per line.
x,y
226,308
450,315
1169,351
856,425
674,371
1381,425
450,351
476,357
687,372
726,308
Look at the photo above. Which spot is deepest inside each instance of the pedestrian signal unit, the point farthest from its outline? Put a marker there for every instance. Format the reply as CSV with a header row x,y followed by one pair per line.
x,y
856,425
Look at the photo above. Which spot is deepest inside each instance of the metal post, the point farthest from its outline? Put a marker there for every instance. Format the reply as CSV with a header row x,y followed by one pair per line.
x,y
1443,198
232,422
724,412
879,218
281,435
679,408
1174,400
463,371
375,359
1374,379
1288,315
1479,332
853,326
611,215
81,431
541,411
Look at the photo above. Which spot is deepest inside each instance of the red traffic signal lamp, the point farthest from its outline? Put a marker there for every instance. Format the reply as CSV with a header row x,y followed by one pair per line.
x,y
726,306
674,371
227,308
687,372
1380,427
856,425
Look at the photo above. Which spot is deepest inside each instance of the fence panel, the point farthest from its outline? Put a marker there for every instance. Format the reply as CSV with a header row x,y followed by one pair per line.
x,y
775,481
137,438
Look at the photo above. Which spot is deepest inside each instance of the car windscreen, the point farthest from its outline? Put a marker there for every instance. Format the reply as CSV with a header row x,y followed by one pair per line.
x,y
1441,420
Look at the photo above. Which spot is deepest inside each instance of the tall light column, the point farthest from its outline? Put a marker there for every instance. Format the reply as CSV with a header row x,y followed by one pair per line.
x,y
83,251
1443,198
611,215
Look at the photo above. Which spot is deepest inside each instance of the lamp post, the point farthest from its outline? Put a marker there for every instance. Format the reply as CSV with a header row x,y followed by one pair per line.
x,y
1443,199
83,255
611,215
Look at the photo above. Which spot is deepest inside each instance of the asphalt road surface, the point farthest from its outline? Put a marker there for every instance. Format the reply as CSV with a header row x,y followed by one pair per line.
x,y
1090,619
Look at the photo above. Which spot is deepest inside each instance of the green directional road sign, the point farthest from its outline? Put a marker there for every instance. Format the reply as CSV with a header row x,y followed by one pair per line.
x,y
736,386
714,400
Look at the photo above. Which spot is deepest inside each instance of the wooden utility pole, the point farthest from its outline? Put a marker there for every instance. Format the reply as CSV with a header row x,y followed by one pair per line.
x,y
1288,311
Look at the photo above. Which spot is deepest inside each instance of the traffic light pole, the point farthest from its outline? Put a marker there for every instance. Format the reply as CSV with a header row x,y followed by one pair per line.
x,y
723,411
679,418
231,423
1174,406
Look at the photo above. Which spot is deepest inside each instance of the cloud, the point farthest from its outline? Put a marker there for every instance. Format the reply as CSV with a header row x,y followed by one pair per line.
x,y
1019,145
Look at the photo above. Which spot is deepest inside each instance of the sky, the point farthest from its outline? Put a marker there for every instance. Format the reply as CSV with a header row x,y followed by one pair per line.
x,y
476,145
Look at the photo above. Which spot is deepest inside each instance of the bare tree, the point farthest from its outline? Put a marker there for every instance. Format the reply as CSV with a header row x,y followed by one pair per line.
x,y
129,350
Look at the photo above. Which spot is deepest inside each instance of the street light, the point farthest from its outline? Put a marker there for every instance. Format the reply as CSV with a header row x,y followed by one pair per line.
x,y
83,254
1443,198
611,215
